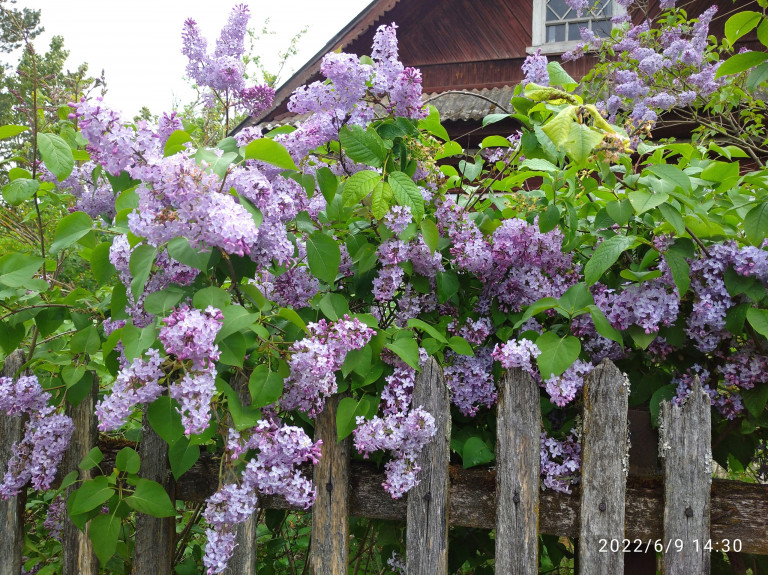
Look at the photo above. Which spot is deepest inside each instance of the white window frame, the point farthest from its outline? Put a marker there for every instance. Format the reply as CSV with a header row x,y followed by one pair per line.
x,y
539,30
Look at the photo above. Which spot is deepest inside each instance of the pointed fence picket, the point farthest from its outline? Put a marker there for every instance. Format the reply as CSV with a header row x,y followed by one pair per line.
x,y
685,508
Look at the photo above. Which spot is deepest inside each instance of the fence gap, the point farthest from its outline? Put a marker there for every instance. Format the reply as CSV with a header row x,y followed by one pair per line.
x,y
427,516
155,537
685,448
77,551
243,561
329,551
518,459
12,510
604,464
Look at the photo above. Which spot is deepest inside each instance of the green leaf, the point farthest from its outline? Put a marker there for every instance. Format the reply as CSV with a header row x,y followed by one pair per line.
x,y
85,341
605,256
165,419
100,264
10,131
673,174
665,393
328,182
758,319
429,234
603,326
128,460
756,223
347,413
380,198
576,298
363,146
643,200
142,258
17,269
539,165
447,285
681,271
213,296
758,76
221,165
582,141
70,229
460,345
549,219
233,349
11,336
642,339
56,155
358,186
740,24
91,459
180,250
407,349
558,129
740,62
334,306
415,323
672,216
755,399
20,190
495,142
182,456
557,353
323,256
619,211
476,452
265,386
104,532
293,317
407,193
176,142
151,498
559,77
432,124
271,152
536,307
91,494
162,302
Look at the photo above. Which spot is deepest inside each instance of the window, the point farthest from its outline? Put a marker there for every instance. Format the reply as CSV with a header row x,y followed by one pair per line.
x,y
557,26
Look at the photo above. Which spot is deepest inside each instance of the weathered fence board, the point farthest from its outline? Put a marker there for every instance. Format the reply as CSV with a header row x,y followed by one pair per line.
x,y
155,537
12,510
687,456
518,459
427,533
243,560
77,551
330,513
604,463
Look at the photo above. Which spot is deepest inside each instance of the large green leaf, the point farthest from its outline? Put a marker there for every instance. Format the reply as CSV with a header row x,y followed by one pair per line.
x,y
271,152
17,269
407,193
90,495
558,129
128,460
347,413
740,24
432,124
681,271
643,200
164,417
581,142
56,155
557,353
176,142
380,198
358,186
476,452
140,265
182,456
364,146
323,256
756,223
70,229
104,532
741,62
606,255
11,131
673,174
430,234
265,386
20,190
758,319
424,326
407,349
152,499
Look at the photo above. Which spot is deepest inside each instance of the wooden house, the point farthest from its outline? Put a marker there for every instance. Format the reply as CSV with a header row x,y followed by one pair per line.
x,y
470,52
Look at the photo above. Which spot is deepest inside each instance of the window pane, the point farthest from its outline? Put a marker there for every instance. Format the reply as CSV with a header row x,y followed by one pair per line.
x,y
602,28
607,9
574,31
556,33
557,10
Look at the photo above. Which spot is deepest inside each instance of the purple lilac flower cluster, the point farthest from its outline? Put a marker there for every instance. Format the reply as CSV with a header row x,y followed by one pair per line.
x,y
535,69
223,70
274,470
470,379
93,196
403,430
315,360
54,518
560,462
37,456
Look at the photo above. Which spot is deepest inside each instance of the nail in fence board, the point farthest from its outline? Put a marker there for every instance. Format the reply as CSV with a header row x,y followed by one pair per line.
x,y
77,551
330,513
12,510
685,446
604,462
427,515
155,537
518,459
243,560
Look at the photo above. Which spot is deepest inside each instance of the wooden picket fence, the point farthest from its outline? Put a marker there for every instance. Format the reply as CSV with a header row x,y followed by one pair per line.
x,y
612,516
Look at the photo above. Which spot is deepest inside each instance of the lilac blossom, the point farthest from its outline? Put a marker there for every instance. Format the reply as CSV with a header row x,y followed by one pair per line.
x,y
55,516
560,462
470,379
535,69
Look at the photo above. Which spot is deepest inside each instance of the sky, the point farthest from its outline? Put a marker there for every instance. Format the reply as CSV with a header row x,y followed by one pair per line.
x,y
138,42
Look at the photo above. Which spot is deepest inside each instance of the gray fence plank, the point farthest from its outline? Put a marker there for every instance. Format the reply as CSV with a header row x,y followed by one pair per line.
x,y
427,515
12,510
243,560
685,446
604,463
77,551
155,537
518,459
330,513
